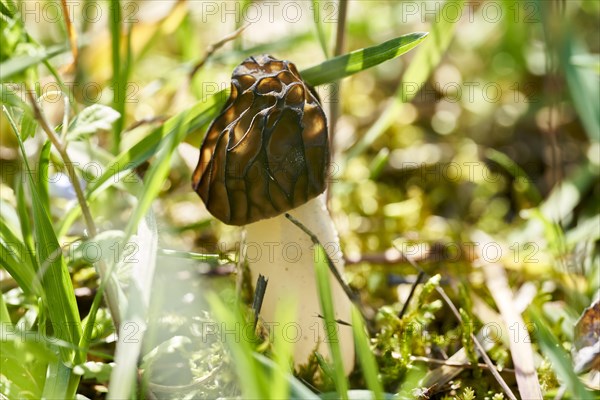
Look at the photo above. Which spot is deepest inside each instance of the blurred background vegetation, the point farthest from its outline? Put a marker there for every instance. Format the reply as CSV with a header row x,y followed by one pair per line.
x,y
489,129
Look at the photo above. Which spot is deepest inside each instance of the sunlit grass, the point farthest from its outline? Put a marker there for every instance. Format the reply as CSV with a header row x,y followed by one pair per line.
x,y
528,174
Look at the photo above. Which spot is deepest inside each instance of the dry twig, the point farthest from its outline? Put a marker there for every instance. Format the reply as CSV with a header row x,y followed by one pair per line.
x,y
521,351
216,46
71,33
480,349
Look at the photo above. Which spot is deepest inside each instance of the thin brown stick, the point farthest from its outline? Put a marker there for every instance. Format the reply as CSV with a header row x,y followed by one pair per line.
x,y
216,46
340,41
159,119
351,294
375,258
85,210
478,345
393,256
456,365
410,294
71,33
340,35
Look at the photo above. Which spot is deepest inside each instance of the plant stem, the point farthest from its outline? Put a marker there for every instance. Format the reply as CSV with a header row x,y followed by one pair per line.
x,y
411,294
340,40
118,103
216,46
340,37
71,33
456,365
85,210
111,296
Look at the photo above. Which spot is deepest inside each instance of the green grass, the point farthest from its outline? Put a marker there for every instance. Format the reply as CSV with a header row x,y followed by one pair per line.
x,y
324,289
57,297
388,192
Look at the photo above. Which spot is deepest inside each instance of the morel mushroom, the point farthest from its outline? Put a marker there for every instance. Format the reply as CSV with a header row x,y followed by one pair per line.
x,y
267,153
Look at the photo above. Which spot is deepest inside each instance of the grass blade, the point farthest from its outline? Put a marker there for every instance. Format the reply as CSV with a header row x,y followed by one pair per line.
x,y
581,82
283,350
11,252
135,315
359,60
58,296
24,364
16,65
252,380
4,315
156,176
365,356
56,280
6,10
120,88
118,100
194,117
10,97
323,39
297,389
561,363
202,112
42,173
522,353
57,381
516,172
25,224
423,63
324,286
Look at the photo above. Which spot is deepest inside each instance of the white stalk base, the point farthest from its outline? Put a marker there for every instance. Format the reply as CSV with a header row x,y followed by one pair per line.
x,y
283,253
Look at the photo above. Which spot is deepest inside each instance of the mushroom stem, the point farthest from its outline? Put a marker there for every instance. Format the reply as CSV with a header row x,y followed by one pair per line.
x,y
284,254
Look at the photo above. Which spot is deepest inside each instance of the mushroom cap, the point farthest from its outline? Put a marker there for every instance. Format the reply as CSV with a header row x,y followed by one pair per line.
x,y
267,151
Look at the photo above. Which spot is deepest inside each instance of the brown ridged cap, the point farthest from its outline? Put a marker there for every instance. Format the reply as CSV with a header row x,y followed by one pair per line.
x,y
267,151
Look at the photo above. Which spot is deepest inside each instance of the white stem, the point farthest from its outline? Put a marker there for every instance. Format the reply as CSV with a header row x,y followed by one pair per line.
x,y
284,254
